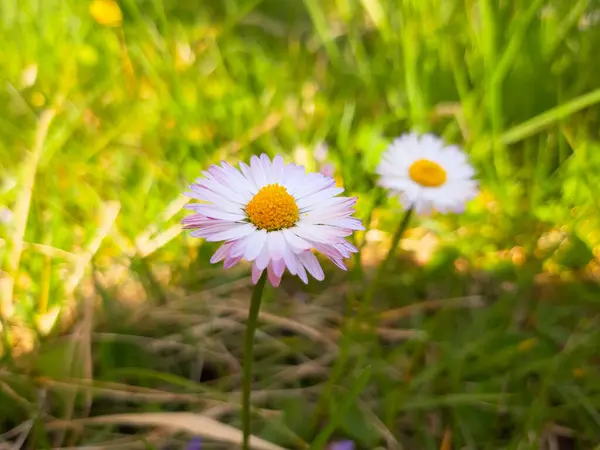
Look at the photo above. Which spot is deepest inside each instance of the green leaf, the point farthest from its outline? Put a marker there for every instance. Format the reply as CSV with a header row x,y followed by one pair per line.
x,y
575,253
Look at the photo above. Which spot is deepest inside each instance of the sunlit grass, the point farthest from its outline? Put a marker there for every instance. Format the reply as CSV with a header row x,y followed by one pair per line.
x,y
101,128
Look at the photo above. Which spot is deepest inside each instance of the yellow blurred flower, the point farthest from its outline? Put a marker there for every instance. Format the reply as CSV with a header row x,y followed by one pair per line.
x,y
106,12
37,99
527,344
87,55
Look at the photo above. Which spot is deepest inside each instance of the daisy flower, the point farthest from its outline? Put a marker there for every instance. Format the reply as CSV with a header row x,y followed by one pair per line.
x,y
272,214
426,174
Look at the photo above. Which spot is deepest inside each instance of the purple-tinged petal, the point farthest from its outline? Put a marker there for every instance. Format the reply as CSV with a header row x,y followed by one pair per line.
x,y
342,445
194,444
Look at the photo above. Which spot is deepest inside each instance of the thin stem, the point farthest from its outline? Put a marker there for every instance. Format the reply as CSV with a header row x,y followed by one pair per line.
x,y
377,201
352,306
249,356
350,332
21,214
381,271
395,240
367,327
357,273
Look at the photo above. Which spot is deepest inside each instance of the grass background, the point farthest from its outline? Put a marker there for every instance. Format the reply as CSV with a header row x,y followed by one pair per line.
x,y
488,324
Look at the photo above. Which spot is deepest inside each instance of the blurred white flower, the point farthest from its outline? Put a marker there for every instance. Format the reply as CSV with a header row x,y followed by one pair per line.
x,y
589,20
185,54
6,215
7,183
29,75
301,156
427,174
321,152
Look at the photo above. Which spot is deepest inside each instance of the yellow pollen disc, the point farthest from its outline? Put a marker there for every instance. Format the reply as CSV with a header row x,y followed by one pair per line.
x,y
272,208
427,173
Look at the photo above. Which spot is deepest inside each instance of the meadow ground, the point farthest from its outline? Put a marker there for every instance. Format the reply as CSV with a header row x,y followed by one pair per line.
x,y
487,325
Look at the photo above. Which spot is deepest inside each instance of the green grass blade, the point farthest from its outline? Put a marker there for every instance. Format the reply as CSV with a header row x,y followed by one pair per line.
x,y
549,118
357,387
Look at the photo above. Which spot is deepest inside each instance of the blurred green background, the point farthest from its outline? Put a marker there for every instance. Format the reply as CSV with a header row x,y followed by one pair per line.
x,y
489,323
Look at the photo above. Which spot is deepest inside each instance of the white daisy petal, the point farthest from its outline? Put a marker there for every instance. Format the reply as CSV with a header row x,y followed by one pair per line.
x,y
199,221
265,161
306,185
349,223
396,183
255,245
239,246
209,182
290,260
320,233
216,213
295,241
230,177
276,244
203,194
311,263
293,179
278,267
256,273
334,205
257,172
221,253
277,169
346,248
231,261
211,230
302,272
319,196
235,233
239,182
326,217
263,258
247,171
331,251
340,263
273,278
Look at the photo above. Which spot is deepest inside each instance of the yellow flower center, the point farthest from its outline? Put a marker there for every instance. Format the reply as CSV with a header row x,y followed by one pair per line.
x,y
427,173
272,208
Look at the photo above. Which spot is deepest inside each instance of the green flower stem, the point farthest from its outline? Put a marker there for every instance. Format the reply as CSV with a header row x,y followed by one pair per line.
x,y
366,323
354,328
249,356
395,241
381,271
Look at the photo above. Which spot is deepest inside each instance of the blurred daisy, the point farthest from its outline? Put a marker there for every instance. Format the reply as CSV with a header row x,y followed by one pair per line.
x,y
321,152
6,215
273,214
427,174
